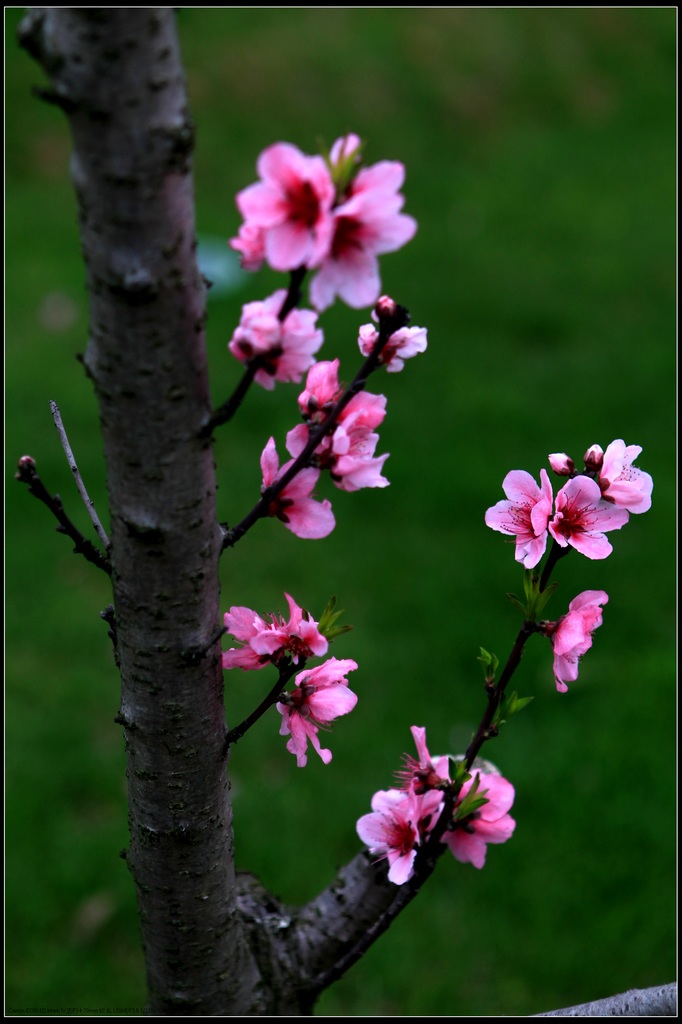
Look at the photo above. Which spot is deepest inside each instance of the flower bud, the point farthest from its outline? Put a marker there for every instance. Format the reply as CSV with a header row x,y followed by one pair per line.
x,y
593,457
561,463
386,307
390,315
26,469
346,148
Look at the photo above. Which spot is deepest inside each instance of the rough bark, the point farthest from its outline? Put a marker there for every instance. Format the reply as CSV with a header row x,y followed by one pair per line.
x,y
116,73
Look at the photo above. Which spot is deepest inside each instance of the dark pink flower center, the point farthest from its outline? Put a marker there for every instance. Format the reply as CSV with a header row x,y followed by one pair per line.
x,y
401,836
304,205
296,647
574,518
346,236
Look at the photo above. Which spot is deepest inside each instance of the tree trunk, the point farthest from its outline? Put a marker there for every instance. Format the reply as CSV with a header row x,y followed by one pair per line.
x,y
214,944
117,74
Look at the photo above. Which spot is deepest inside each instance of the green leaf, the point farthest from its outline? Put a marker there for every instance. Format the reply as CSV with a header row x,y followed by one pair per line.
x,y
328,618
489,661
471,801
513,703
543,598
535,601
459,773
519,604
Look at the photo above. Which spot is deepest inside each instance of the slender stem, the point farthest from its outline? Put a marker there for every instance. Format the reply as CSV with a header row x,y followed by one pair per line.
x,y
387,327
555,554
87,500
286,671
227,410
433,848
28,474
495,692
293,296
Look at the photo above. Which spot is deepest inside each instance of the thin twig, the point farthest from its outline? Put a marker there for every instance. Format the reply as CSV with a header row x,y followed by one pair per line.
x,y
286,671
87,500
387,327
28,474
555,554
225,412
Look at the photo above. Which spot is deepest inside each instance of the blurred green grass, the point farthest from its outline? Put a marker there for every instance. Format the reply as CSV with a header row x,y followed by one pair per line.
x,y
541,155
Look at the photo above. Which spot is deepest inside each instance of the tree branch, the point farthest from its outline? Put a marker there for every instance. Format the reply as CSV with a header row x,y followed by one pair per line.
x,y
87,500
659,1001
27,473
286,671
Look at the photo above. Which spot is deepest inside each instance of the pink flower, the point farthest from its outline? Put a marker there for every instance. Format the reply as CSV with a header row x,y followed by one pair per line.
x,y
348,453
489,824
251,244
284,348
365,224
622,483
397,825
291,206
321,694
270,642
582,518
356,468
353,464
403,344
299,512
571,636
423,773
524,515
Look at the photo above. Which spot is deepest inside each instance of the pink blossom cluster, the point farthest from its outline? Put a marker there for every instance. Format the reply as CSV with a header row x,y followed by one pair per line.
x,y
571,635
620,482
402,819
285,348
402,344
332,216
320,694
588,506
348,452
263,643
